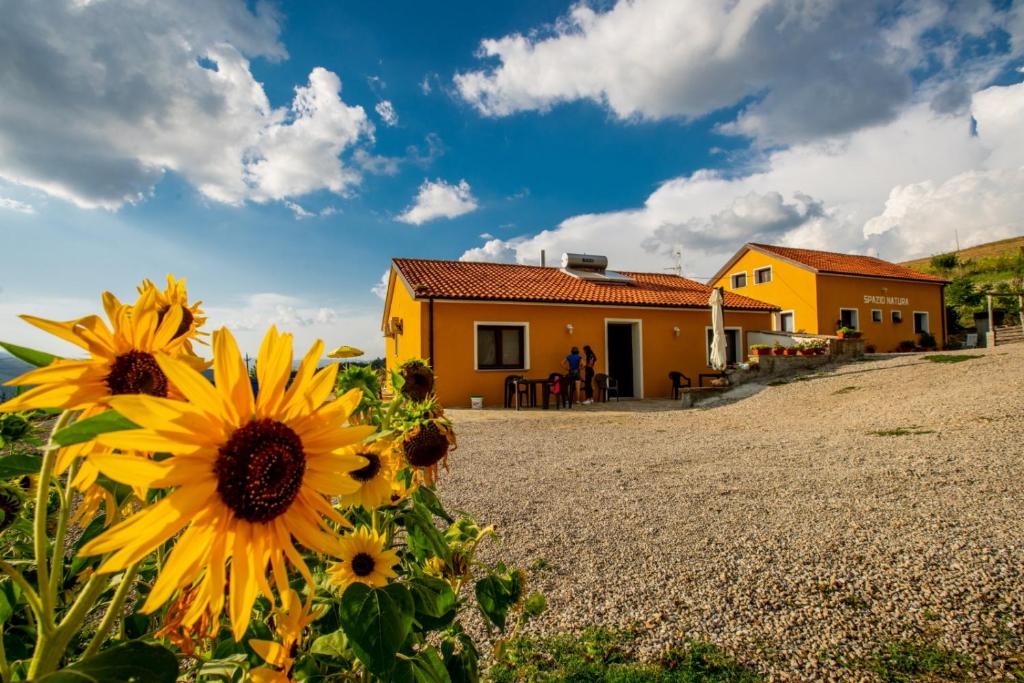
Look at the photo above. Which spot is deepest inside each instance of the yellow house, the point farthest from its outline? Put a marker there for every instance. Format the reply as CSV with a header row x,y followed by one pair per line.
x,y
478,323
818,291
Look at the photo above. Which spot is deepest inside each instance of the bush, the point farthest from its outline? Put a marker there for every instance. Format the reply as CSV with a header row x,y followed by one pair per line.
x,y
927,341
943,263
906,345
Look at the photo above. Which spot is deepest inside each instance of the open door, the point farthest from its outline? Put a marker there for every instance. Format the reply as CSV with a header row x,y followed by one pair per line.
x,y
624,361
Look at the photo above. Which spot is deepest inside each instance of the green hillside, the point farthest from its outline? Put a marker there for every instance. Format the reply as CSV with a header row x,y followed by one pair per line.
x,y
996,267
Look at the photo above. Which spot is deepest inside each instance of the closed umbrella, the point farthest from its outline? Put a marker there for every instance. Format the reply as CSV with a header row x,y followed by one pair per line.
x,y
718,351
345,352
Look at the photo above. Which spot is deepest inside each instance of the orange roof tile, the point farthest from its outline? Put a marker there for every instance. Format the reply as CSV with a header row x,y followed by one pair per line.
x,y
511,282
847,264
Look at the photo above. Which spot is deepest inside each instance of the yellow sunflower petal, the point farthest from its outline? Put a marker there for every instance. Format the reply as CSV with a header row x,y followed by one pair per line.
x,y
193,548
243,584
147,440
231,376
135,470
193,385
273,366
64,330
269,651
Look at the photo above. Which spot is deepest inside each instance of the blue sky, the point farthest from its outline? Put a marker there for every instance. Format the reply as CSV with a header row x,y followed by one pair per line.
x,y
211,140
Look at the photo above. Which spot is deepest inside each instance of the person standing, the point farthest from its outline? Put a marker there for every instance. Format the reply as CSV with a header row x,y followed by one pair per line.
x,y
589,363
571,364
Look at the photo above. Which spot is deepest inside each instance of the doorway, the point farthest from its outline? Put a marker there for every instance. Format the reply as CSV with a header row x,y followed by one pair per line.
x,y
624,363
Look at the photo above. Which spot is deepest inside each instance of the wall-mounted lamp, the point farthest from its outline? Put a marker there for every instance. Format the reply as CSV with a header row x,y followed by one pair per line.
x,y
568,328
675,330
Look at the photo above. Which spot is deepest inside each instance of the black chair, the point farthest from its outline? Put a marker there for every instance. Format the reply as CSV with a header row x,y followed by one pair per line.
x,y
679,382
605,386
511,386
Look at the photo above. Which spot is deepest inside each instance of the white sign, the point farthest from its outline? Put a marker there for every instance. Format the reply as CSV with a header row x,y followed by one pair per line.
x,y
889,300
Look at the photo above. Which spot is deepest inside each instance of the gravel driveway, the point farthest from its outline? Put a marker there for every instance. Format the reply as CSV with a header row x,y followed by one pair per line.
x,y
802,528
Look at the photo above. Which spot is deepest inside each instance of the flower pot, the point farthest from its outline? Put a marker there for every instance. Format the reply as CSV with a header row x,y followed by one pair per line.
x,y
778,352
789,352
762,352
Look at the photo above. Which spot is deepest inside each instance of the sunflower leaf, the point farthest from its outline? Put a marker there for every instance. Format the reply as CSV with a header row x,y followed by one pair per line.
x,y
434,600
377,622
131,661
40,359
19,464
498,593
89,428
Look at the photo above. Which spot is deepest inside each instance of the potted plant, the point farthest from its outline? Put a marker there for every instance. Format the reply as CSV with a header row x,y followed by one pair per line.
x,y
777,349
847,333
761,349
789,351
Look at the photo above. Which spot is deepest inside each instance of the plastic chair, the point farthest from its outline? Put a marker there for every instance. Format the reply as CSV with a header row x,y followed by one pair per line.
x,y
971,341
511,386
679,382
606,385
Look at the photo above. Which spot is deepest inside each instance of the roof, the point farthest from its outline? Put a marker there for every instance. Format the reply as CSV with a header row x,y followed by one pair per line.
x,y
473,281
832,263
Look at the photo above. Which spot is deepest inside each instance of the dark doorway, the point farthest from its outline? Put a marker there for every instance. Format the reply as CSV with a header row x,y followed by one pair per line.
x,y
620,356
732,347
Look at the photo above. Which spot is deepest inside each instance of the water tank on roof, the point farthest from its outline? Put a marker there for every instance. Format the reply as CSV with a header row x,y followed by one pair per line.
x,y
585,262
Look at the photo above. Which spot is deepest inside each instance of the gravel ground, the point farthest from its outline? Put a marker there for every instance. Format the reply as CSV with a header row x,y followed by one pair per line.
x,y
777,526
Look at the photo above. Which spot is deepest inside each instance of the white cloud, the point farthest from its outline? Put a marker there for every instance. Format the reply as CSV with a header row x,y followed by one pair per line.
x,y
386,111
919,177
809,69
381,288
14,205
302,213
438,199
102,98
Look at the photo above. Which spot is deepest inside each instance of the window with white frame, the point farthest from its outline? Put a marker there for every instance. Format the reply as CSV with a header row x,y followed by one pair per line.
x,y
920,322
897,316
763,275
739,280
849,317
876,315
500,347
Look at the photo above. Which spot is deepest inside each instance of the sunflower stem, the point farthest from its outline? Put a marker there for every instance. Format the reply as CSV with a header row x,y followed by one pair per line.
x,y
48,654
31,597
57,559
113,610
47,596
5,668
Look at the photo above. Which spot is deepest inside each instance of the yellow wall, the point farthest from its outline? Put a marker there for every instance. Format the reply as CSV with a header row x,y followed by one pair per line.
x,y
409,344
549,342
836,291
792,288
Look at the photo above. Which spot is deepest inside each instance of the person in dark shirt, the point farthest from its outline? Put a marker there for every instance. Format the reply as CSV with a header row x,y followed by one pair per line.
x,y
571,364
589,363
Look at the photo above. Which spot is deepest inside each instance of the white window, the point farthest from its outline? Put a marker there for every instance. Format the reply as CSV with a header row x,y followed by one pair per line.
x,y
849,317
876,315
897,316
739,280
763,275
920,322
501,346
787,321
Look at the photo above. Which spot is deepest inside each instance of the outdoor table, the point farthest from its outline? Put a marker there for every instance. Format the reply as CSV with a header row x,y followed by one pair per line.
x,y
532,384
711,375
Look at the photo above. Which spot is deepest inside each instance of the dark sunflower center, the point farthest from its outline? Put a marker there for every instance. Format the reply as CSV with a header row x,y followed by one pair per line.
x,y
370,470
419,382
259,470
136,372
362,564
186,320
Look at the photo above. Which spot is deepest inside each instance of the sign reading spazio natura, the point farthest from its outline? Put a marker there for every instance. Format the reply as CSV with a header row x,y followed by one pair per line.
x,y
889,300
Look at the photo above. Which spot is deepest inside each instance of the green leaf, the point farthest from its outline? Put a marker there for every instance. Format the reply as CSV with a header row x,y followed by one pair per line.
x,y
10,595
131,662
18,465
377,622
427,667
461,658
498,593
333,644
425,539
90,428
434,601
40,359
430,501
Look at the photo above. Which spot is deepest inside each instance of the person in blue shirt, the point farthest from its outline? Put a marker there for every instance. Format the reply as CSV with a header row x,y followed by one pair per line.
x,y
571,365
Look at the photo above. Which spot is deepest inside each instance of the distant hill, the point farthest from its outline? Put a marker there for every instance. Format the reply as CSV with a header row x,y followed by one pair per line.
x,y
987,263
10,367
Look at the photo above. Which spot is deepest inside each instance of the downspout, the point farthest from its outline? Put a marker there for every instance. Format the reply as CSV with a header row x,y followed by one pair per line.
x,y
430,333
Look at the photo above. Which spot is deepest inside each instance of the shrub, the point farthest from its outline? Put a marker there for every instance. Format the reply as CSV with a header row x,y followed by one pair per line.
x,y
927,341
869,348
943,263
906,345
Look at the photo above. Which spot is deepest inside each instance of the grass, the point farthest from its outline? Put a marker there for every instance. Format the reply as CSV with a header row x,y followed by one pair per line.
x,y
905,661
901,431
946,358
600,655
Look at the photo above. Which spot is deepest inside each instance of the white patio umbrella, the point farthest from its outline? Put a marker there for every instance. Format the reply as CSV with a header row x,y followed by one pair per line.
x,y
718,352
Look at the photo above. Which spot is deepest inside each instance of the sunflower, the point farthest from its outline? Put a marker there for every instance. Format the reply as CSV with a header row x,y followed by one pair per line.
x,y
375,478
122,360
175,294
290,620
247,476
364,559
419,379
